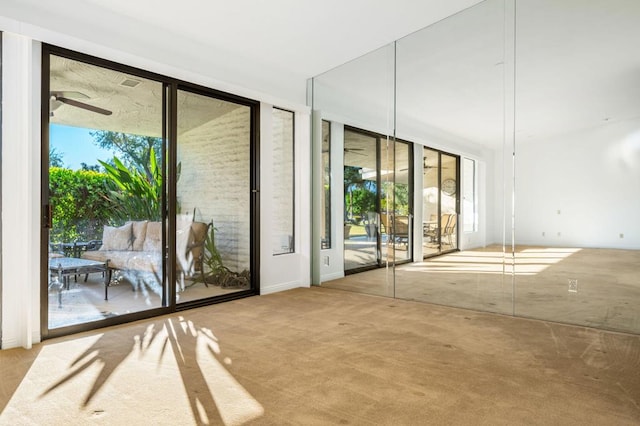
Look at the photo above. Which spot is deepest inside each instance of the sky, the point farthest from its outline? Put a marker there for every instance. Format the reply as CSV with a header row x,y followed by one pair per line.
x,y
76,146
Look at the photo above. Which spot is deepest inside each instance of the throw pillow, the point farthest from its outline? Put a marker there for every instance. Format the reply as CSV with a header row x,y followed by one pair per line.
x,y
153,238
139,229
117,238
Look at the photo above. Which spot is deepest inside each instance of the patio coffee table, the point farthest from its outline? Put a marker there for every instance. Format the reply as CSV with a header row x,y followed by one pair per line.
x,y
62,268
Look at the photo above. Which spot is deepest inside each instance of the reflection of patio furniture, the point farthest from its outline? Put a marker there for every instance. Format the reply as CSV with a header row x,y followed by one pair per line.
x,y
75,249
448,223
62,268
396,227
450,229
433,231
137,246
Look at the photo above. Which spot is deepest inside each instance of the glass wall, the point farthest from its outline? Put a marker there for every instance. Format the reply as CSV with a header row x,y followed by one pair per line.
x,y
550,179
213,221
577,163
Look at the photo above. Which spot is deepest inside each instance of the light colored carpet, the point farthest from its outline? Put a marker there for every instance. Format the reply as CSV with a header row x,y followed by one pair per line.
x,y
607,294
323,356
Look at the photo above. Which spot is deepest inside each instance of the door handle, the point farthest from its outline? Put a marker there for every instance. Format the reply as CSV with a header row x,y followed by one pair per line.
x,y
47,216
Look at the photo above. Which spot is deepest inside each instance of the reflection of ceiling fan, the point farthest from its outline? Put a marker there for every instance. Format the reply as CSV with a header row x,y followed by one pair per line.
x,y
56,100
425,167
351,150
355,151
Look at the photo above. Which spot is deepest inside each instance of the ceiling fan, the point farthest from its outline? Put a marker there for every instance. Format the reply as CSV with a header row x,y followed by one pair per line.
x,y
58,98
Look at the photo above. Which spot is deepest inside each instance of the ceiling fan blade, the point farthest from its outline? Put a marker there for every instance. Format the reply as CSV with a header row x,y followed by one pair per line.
x,y
69,94
82,105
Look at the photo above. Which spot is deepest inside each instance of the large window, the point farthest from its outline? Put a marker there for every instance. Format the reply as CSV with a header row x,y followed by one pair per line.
x,y
284,182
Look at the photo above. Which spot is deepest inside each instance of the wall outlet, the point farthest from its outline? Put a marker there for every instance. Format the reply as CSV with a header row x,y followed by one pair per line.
x,y
326,260
621,235
543,233
558,211
573,285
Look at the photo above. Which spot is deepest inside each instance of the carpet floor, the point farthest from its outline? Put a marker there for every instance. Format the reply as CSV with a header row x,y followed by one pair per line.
x,y
326,356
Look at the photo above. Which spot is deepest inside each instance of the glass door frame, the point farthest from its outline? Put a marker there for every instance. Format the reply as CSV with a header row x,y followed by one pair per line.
x,y
169,135
457,202
383,261
378,262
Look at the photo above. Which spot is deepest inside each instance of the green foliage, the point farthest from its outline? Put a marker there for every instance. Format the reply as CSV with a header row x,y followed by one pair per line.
x,y
214,271
80,208
55,158
400,202
135,150
138,193
362,201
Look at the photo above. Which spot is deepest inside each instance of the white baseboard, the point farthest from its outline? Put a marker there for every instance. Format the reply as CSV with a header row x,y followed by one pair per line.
x,y
333,276
282,287
10,343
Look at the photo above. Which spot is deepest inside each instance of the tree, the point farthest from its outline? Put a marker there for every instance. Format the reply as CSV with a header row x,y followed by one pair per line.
x,y
55,158
360,194
92,168
135,150
137,196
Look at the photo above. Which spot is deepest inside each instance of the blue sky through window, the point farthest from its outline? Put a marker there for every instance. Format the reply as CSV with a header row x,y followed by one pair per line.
x,y
76,146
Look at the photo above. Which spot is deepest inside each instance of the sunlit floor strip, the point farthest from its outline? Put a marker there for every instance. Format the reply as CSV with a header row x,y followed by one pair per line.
x,y
94,383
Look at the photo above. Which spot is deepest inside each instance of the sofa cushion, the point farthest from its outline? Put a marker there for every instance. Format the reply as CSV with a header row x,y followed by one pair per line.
x,y
153,237
145,261
117,238
139,230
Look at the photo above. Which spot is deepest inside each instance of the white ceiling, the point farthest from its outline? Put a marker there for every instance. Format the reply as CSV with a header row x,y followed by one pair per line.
x,y
581,57
270,46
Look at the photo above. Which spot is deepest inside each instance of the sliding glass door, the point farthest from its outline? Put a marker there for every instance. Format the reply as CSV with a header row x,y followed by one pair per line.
x,y
362,240
377,193
213,197
104,170
150,194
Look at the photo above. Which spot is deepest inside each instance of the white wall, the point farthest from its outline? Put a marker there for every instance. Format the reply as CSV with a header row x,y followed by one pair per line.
x,y
20,191
581,189
285,271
